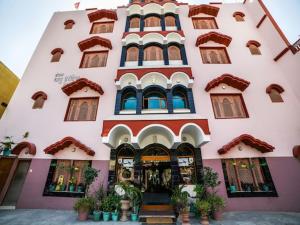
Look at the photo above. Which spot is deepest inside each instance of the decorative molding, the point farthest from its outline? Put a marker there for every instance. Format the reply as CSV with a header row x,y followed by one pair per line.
x,y
57,50
253,42
38,94
261,21
247,139
230,80
66,142
238,14
277,87
79,84
102,13
91,42
214,36
69,21
207,9
22,145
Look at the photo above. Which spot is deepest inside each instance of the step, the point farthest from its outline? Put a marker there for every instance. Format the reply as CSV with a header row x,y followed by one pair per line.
x,y
159,220
157,208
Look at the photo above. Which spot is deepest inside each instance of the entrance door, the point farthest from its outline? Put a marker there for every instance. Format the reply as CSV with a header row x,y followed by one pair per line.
x,y
5,167
15,187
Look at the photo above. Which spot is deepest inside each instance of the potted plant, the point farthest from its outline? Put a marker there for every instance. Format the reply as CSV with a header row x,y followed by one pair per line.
x,y
83,207
98,198
232,188
217,204
204,207
6,145
72,183
116,203
135,196
107,207
90,174
180,201
80,187
125,202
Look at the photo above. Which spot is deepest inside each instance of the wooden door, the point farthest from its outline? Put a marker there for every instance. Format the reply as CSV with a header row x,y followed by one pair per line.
x,y
5,167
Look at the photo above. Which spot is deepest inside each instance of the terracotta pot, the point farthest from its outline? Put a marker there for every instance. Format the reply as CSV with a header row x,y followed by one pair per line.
x,y
218,215
83,215
125,205
204,220
185,218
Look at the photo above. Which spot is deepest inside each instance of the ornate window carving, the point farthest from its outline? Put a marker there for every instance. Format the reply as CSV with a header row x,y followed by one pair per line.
x,y
205,23
102,27
94,59
82,109
214,55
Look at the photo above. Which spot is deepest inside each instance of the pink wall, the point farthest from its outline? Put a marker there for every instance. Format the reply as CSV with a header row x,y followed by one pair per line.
x,y
286,181
32,192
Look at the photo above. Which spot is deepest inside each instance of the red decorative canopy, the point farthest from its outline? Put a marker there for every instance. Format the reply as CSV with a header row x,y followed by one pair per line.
x,y
214,36
91,42
277,87
22,145
79,84
163,33
238,14
253,42
66,142
38,94
69,21
102,13
207,9
230,80
296,151
247,139
57,50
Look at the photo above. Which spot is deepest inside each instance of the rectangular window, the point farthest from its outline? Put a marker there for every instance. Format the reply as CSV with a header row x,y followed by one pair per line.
x,y
248,177
212,55
228,106
82,109
65,178
205,23
102,27
94,59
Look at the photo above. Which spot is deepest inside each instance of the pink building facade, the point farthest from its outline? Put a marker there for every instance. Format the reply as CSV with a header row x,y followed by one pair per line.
x,y
151,93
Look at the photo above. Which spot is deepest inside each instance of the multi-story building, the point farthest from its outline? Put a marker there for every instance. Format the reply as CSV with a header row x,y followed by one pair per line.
x,y
8,82
152,92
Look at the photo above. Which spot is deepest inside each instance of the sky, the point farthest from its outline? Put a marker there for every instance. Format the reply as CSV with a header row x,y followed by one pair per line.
x,y
23,22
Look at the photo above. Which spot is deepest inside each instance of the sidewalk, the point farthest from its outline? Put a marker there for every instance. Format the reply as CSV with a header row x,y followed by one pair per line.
x,y
60,217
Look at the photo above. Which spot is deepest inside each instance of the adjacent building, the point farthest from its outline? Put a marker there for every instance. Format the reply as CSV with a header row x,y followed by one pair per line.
x,y
151,93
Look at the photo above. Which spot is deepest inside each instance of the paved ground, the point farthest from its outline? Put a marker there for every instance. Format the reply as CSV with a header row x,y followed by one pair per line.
x,y
59,217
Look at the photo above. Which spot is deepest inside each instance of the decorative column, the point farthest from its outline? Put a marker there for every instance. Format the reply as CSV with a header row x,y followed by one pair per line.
x,y
190,99
162,22
141,55
123,56
175,172
165,54
199,165
142,23
139,105
177,21
118,102
169,101
127,26
183,54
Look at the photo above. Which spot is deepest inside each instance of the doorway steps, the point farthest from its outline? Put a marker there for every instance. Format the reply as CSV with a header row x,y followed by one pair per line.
x,y
157,214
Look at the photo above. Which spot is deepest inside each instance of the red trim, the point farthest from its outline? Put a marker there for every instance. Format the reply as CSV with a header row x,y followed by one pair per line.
x,y
79,84
69,21
230,80
253,42
159,3
282,53
38,94
261,21
168,72
207,9
137,125
66,142
214,36
91,42
238,14
296,151
102,13
163,33
19,147
247,139
57,50
277,87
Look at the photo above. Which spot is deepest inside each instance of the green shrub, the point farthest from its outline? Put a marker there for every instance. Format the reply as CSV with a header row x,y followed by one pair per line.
x,y
84,204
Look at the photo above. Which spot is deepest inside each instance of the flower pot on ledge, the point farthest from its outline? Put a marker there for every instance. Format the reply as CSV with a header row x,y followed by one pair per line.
x,y
125,205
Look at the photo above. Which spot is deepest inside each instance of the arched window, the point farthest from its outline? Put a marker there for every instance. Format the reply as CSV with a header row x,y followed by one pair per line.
x,y
155,100
69,24
39,100
153,53
152,21
170,21
56,54
274,91
129,101
132,54
174,53
254,47
135,22
239,16
180,99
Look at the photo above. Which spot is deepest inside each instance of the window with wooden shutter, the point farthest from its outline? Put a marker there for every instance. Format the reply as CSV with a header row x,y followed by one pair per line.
x,y
56,57
228,106
174,53
248,175
39,102
69,25
170,21
239,18
153,53
82,109
94,59
214,55
204,23
132,54
254,49
102,27
135,22
152,21
275,96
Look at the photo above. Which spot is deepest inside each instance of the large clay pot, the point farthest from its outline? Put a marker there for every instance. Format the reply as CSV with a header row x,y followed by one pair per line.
x,y
125,205
82,215
204,220
218,215
185,218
